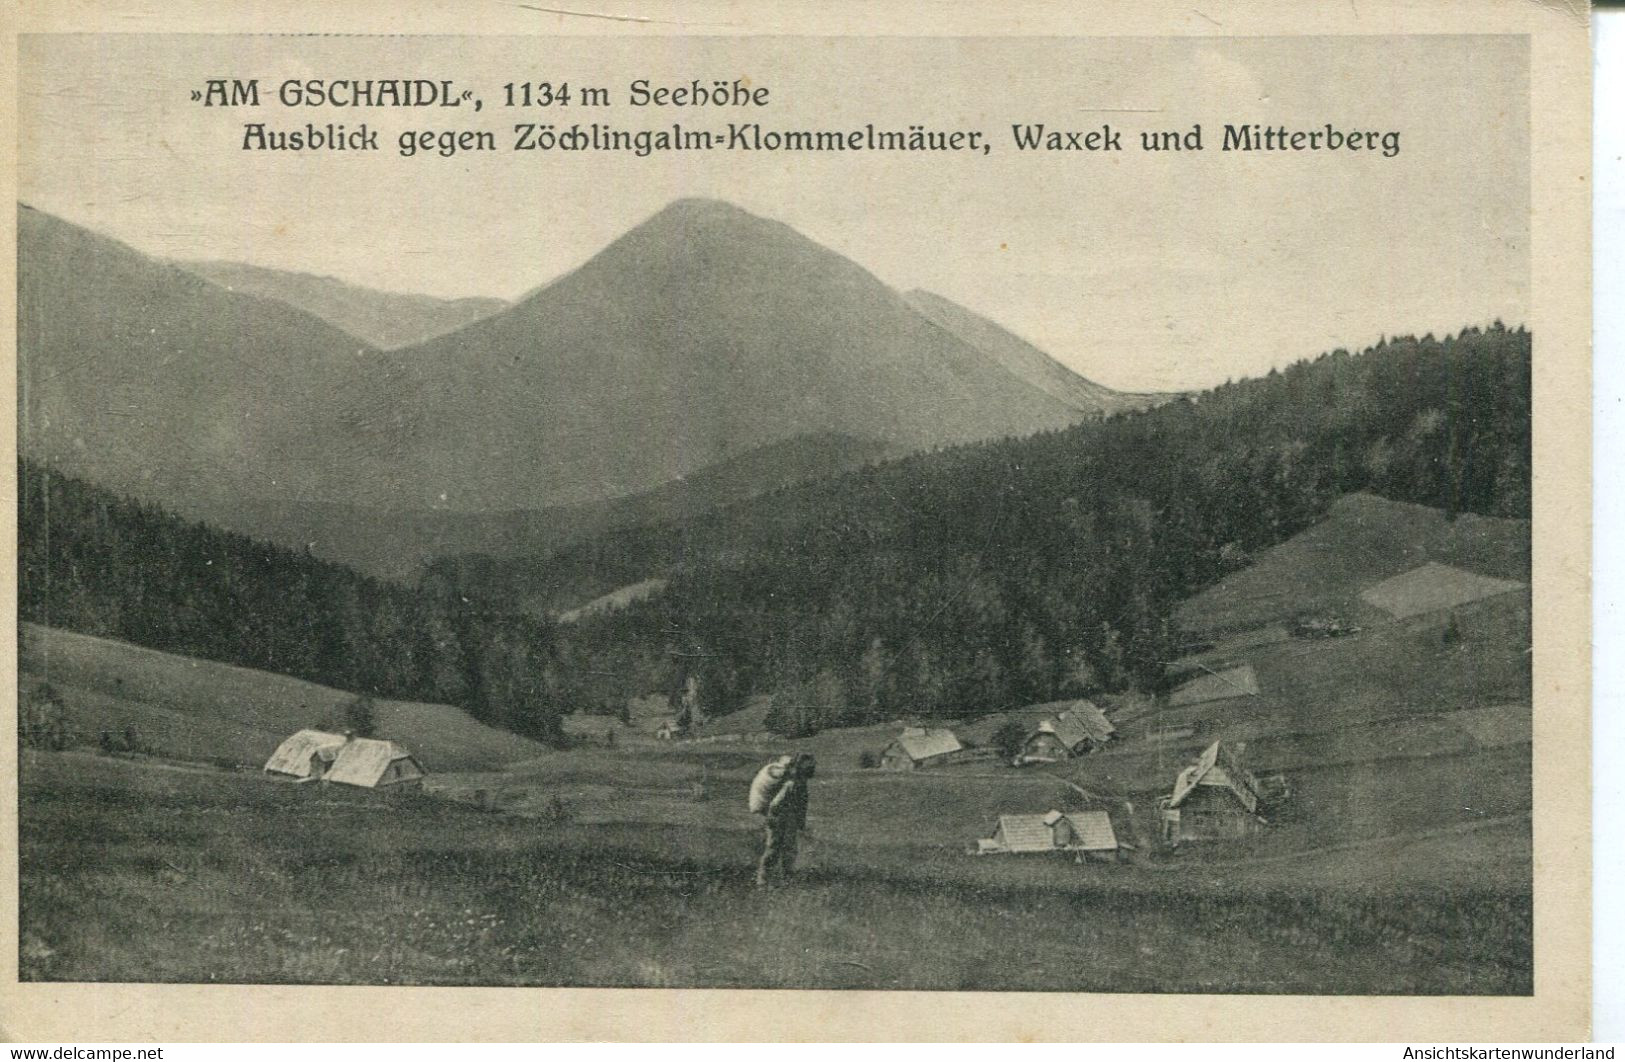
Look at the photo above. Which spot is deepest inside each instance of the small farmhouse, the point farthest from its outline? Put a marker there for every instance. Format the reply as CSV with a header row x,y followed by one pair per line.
x,y
1213,799
1077,728
372,763
918,747
306,755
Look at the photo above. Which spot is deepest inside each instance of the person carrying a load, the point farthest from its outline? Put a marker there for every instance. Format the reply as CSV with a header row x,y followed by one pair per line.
x,y
779,794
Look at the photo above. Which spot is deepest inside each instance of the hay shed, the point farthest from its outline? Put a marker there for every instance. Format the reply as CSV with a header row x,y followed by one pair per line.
x,y
918,747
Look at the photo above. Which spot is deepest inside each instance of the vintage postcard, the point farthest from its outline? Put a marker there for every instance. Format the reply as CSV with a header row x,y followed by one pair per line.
x,y
686,521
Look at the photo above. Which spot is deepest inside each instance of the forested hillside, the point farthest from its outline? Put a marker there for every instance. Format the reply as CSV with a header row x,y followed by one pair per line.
x,y
1024,570
953,582
93,562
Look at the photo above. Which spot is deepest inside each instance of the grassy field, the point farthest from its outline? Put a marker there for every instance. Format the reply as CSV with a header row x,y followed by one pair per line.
x,y
1363,540
1470,657
1399,863
138,871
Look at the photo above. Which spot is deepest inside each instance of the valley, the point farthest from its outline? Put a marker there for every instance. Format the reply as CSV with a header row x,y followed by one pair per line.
x,y
1395,860
1216,691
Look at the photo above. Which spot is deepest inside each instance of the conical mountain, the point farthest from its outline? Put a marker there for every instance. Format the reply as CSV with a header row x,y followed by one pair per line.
x,y
700,334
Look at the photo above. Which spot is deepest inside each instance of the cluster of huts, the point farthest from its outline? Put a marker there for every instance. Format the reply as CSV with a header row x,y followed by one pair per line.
x,y
1075,728
1065,729
317,755
1213,798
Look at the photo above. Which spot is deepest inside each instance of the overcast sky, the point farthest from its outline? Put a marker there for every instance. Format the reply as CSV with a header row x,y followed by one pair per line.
x,y
1140,270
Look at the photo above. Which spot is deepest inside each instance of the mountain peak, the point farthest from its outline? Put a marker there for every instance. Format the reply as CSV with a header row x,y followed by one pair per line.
x,y
700,206
698,215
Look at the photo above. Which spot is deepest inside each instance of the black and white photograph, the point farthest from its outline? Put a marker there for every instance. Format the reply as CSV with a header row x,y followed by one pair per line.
x,y
963,513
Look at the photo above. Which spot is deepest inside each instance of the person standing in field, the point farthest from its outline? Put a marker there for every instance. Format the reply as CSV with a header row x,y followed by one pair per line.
x,y
779,794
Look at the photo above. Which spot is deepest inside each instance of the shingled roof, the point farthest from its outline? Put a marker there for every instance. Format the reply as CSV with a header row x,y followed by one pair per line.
x,y
1089,831
1076,722
366,761
1094,831
1028,833
925,744
293,756
1216,767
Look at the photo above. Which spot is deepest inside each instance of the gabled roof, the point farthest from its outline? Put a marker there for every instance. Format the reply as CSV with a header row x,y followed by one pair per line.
x,y
1217,686
1091,831
1076,722
1432,587
1094,831
1216,767
924,744
1027,833
362,761
294,754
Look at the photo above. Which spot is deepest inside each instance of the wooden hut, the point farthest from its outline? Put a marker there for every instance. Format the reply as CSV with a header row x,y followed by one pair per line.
x,y
1213,799
918,747
1048,832
1089,834
1078,727
373,764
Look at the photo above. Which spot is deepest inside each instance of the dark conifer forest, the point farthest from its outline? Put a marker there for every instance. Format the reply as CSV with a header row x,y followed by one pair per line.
x,y
988,576
952,582
93,562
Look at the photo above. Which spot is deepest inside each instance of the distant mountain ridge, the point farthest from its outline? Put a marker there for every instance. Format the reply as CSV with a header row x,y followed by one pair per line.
x,y
141,376
383,319
700,336
397,544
